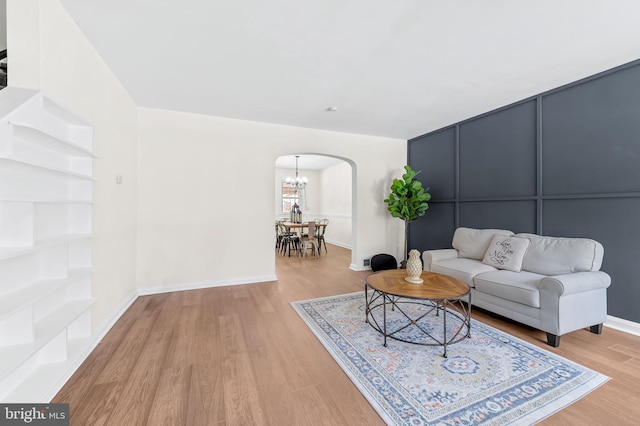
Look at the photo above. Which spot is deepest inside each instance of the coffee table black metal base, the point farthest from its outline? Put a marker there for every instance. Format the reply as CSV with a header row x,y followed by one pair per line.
x,y
396,317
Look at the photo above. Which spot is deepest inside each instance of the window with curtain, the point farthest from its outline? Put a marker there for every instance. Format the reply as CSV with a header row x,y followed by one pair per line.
x,y
290,196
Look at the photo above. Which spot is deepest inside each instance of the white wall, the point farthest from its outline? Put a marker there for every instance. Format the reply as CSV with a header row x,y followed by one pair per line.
x,y
336,203
23,40
206,201
49,52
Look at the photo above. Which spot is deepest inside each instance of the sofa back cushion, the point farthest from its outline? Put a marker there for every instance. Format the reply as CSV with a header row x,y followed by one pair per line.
x,y
557,256
472,243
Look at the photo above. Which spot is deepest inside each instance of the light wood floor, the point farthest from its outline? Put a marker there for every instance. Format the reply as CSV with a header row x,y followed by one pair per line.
x,y
240,355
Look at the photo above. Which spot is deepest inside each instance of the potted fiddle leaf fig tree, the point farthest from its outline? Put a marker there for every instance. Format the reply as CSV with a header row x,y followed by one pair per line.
x,y
407,201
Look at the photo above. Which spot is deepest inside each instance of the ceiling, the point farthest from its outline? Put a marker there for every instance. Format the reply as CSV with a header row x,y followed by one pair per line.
x,y
392,68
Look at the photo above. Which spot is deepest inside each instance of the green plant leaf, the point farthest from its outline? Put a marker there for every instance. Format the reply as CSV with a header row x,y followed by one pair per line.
x,y
407,199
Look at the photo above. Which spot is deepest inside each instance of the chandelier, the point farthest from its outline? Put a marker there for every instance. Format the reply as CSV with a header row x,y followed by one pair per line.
x,y
297,182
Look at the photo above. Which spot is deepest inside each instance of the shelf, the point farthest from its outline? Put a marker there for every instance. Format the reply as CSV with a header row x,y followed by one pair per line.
x,y
37,387
60,201
31,293
53,109
10,252
46,186
14,98
45,330
25,164
31,133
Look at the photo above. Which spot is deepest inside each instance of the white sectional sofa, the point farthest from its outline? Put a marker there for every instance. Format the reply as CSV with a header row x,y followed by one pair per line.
x,y
549,283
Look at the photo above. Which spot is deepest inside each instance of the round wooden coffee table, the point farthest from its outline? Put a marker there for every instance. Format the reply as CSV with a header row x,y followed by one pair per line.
x,y
434,313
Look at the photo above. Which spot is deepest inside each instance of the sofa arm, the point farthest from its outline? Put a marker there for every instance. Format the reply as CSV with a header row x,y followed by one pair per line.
x,y
429,256
577,282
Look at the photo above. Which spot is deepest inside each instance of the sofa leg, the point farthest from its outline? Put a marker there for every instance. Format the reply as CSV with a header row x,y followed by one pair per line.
x,y
597,329
553,340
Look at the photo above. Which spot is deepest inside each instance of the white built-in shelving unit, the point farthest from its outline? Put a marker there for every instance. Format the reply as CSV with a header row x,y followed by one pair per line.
x,y
46,182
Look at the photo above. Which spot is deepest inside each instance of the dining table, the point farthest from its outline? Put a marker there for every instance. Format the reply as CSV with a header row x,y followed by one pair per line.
x,y
294,226
299,227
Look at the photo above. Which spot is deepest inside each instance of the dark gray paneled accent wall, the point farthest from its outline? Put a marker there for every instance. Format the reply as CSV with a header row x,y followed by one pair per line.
x,y
520,215
563,163
496,160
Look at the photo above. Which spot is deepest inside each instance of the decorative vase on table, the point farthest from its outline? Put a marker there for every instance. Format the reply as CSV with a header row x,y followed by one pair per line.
x,y
296,214
414,268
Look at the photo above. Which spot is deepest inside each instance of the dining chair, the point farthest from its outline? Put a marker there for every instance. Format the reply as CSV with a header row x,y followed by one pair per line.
x,y
321,229
310,239
279,235
288,241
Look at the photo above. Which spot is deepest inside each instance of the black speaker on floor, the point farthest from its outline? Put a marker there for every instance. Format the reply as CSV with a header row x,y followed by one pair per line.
x,y
382,262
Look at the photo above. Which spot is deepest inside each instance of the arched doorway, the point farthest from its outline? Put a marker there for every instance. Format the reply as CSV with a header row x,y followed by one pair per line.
x,y
330,193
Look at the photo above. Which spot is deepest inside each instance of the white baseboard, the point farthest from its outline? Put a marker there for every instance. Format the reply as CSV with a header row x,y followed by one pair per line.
x,y
339,244
359,268
144,291
623,325
108,323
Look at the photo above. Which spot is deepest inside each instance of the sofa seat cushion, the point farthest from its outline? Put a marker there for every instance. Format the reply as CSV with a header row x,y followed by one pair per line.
x,y
521,287
461,268
473,243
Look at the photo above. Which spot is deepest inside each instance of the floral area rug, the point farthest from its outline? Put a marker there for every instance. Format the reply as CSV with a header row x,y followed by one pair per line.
x,y
488,378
